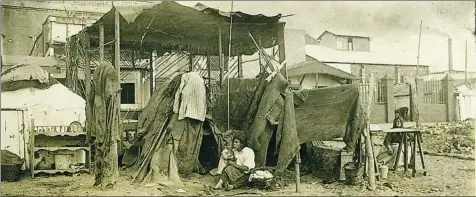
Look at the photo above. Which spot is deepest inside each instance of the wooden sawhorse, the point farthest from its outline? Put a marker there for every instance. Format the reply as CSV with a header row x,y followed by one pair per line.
x,y
417,141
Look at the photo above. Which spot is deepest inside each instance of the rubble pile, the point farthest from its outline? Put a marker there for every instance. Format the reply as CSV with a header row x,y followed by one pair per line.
x,y
454,138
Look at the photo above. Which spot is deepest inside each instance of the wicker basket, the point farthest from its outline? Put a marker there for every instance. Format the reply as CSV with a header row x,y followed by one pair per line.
x,y
11,172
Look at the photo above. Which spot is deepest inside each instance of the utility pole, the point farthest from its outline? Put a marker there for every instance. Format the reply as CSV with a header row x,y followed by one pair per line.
x,y
418,57
466,63
414,88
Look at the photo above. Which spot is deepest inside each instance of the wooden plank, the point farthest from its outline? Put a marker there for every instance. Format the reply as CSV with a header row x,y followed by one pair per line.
x,y
101,42
414,153
282,50
405,152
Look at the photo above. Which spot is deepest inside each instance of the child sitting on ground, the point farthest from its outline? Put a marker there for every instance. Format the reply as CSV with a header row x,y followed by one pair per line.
x,y
227,154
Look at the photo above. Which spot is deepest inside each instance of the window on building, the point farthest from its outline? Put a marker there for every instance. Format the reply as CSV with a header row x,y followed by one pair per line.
x,y
351,44
339,45
128,93
402,79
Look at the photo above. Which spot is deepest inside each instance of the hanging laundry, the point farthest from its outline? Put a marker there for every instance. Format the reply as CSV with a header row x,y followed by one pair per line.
x,y
190,99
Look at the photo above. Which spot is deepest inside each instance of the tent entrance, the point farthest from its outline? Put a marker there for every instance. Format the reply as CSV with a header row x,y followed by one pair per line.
x,y
272,155
209,154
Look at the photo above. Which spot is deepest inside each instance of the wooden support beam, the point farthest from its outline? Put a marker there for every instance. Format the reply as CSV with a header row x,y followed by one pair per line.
x,y
282,51
209,72
32,148
298,170
151,73
87,67
190,60
240,66
87,84
261,67
117,51
220,53
101,42
368,142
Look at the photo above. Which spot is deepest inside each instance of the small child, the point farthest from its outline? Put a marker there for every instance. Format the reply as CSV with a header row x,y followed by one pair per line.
x,y
228,153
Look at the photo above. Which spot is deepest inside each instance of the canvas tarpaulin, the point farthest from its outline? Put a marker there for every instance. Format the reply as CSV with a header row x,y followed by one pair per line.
x,y
161,131
329,113
188,28
150,124
257,107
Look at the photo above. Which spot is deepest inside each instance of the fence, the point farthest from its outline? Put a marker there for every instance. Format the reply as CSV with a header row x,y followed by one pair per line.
x,y
379,92
435,92
436,100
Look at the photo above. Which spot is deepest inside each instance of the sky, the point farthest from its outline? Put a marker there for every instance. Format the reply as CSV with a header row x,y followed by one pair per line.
x,y
392,25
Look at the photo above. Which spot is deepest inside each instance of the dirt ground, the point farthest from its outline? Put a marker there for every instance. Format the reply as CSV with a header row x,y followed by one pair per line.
x,y
446,176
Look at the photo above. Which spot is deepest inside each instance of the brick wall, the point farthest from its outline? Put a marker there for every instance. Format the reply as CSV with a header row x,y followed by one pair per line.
x,y
380,71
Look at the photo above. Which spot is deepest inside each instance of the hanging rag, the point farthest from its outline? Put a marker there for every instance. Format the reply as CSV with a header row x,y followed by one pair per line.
x,y
190,99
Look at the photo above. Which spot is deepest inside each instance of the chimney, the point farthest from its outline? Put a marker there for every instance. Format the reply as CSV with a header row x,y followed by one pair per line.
x,y
450,56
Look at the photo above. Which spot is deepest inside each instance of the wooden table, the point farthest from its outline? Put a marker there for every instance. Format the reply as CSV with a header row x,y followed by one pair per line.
x,y
404,142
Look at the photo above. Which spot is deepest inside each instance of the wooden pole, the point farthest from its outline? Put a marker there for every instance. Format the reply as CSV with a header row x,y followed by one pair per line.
x,y
151,73
190,61
282,51
240,66
418,57
368,141
32,148
220,55
87,69
101,43
415,93
87,84
117,46
209,72
466,63
260,57
298,171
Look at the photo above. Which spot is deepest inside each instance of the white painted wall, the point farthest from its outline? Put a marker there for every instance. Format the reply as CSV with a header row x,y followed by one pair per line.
x,y
142,89
309,81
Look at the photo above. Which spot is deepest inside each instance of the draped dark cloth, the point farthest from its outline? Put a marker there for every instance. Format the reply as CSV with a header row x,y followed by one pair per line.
x,y
106,128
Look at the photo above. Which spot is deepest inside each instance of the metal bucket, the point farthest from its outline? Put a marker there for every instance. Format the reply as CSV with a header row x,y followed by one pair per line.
x,y
353,173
